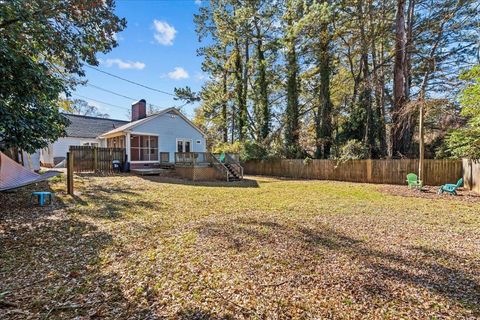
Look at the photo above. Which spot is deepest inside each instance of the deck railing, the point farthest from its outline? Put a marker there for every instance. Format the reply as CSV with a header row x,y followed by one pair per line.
x,y
232,160
192,158
201,159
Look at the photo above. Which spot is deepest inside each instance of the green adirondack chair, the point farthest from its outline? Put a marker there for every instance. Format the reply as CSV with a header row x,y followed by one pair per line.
x,y
413,181
222,157
451,188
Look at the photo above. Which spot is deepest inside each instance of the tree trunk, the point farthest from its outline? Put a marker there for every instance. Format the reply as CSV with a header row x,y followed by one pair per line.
x,y
292,127
245,86
242,114
224,127
366,99
398,136
262,88
324,113
379,86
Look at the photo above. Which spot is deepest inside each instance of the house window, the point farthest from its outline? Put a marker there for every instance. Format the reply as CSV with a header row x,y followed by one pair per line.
x,y
184,145
90,144
144,148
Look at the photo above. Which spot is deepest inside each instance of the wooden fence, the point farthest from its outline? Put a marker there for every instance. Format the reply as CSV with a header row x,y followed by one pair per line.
x,y
94,159
437,172
471,175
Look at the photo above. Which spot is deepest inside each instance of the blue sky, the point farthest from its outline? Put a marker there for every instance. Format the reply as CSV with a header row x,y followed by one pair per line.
x,y
157,48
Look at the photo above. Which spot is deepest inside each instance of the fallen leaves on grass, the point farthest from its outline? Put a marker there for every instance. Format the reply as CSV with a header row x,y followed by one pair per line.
x,y
131,247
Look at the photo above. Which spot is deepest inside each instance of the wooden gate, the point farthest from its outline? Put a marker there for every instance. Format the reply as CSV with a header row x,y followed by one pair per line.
x,y
95,159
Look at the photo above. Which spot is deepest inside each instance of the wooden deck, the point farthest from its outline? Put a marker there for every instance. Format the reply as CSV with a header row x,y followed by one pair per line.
x,y
149,171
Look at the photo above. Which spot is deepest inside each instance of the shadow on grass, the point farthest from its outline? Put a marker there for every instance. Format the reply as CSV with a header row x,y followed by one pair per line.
x,y
51,264
110,202
436,271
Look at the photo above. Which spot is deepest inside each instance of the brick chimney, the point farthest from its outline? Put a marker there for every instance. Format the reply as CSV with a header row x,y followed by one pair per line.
x,y
139,110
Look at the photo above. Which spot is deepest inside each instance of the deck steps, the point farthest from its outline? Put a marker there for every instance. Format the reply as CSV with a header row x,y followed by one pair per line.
x,y
234,176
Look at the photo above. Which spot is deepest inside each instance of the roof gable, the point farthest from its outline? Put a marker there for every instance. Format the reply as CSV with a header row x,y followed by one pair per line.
x,y
133,124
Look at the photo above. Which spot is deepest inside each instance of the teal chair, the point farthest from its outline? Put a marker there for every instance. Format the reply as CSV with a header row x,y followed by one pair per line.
x,y
451,188
222,157
413,182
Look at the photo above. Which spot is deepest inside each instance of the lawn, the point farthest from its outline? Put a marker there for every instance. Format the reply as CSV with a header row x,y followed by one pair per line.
x,y
129,247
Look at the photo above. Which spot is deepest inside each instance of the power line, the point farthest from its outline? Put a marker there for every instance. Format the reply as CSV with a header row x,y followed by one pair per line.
x,y
112,92
130,81
108,104
120,95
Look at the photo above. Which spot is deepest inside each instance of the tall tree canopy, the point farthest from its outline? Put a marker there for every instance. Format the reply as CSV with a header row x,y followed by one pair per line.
x,y
43,47
465,141
307,77
83,108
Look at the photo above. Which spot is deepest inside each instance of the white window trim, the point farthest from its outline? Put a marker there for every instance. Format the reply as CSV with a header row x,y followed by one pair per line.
x,y
184,139
143,134
146,134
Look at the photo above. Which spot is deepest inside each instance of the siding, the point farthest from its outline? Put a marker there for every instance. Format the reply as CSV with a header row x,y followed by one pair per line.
x,y
169,127
61,146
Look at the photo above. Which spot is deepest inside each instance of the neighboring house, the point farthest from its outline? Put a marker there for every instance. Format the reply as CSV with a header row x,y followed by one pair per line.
x,y
149,140
82,131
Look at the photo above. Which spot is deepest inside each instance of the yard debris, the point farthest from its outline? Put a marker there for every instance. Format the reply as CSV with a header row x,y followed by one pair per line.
x,y
132,247
430,192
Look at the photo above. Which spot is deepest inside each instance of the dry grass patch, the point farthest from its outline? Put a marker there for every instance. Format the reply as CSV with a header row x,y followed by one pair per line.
x,y
133,247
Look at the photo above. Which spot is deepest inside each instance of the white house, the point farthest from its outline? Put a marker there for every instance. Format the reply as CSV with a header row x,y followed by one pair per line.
x,y
148,140
82,131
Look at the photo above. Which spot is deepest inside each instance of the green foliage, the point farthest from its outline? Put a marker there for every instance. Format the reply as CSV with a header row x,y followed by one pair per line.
x,y
82,107
29,113
283,68
465,142
186,94
248,150
354,150
235,147
43,46
307,161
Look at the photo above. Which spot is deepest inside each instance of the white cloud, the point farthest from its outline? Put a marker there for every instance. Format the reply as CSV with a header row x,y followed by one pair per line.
x,y
198,2
178,73
164,33
125,64
200,76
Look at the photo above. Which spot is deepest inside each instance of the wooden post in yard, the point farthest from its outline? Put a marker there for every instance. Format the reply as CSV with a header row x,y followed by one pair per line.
x,y
421,145
95,159
69,174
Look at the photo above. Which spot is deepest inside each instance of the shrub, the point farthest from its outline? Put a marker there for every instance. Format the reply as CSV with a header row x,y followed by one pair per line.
x,y
354,150
247,150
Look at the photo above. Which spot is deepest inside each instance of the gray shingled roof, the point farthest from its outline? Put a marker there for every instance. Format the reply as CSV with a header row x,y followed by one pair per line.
x,y
90,127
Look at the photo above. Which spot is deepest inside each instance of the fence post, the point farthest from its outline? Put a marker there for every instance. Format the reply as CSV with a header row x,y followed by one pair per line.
x,y
95,159
369,170
69,174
